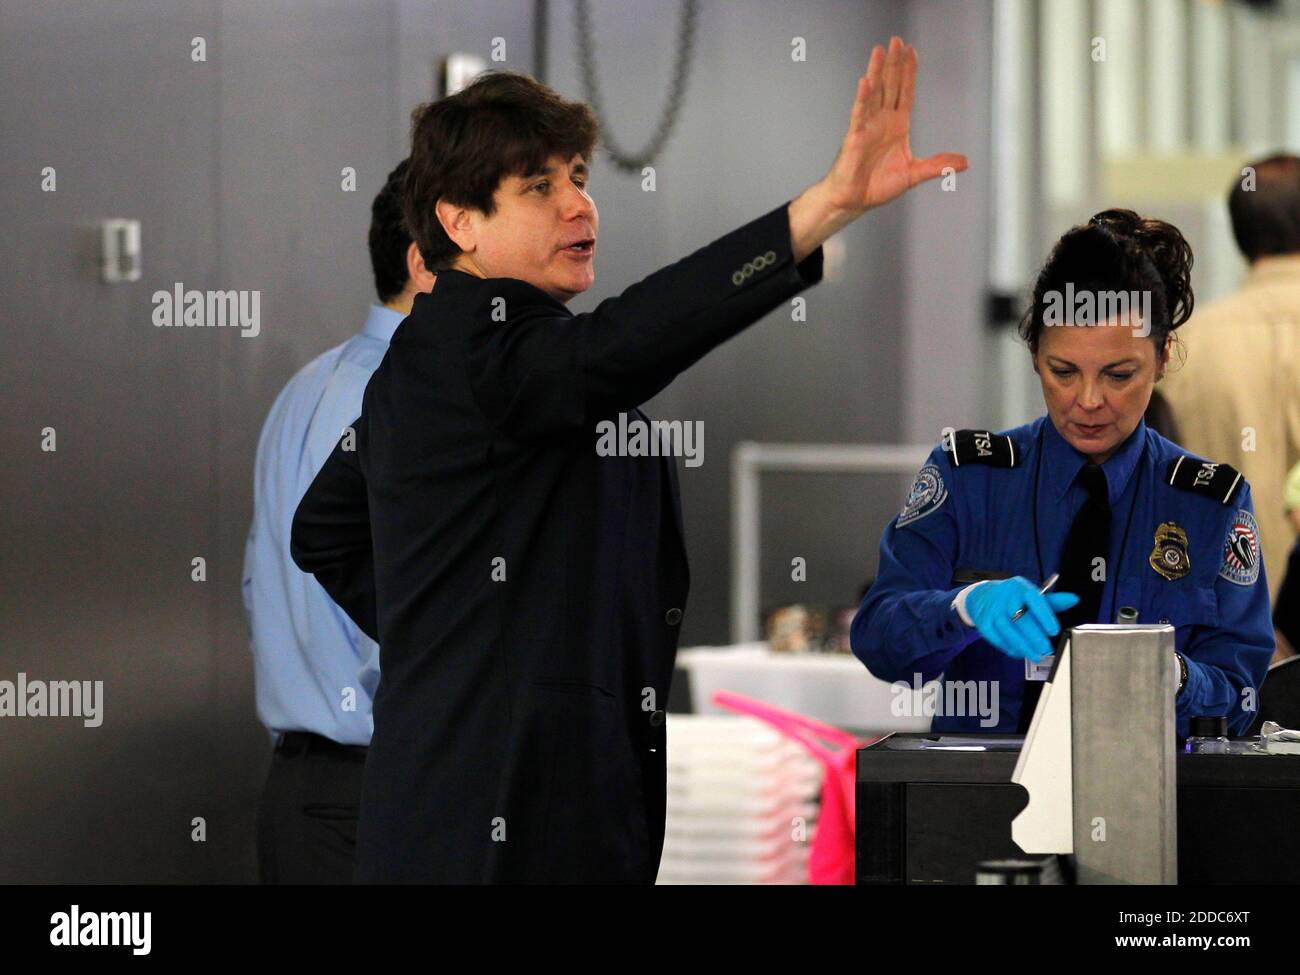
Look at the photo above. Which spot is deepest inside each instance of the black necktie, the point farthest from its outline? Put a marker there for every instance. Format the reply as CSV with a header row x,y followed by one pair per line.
x,y
1081,573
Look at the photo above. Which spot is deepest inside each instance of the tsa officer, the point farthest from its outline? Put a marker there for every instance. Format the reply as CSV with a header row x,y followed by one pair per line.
x,y
1126,517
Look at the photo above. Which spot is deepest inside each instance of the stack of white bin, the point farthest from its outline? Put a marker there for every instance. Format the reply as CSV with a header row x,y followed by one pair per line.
x,y
742,803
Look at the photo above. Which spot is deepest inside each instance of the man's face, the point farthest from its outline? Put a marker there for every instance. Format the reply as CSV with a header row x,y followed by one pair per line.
x,y
539,216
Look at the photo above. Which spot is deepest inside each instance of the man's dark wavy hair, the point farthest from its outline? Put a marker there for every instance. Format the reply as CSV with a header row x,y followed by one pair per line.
x,y
462,146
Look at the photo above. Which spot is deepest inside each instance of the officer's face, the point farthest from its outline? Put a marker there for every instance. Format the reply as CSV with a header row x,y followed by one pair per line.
x,y
1097,382
538,216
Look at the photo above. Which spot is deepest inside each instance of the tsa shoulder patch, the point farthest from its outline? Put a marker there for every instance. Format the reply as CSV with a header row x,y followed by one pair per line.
x,y
1241,559
979,447
927,494
1218,481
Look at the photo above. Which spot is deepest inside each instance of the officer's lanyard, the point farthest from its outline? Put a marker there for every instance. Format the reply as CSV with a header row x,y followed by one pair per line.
x,y
1123,545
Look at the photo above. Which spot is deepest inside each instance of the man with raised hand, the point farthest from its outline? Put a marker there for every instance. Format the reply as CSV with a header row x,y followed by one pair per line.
x,y
527,592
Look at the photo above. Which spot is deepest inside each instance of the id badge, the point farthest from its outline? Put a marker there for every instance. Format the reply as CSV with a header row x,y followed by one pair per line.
x,y
1039,671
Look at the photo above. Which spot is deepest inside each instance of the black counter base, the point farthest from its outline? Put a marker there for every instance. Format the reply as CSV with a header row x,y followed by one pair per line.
x,y
928,817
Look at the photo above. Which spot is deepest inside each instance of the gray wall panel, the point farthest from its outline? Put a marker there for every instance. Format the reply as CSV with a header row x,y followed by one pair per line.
x,y
96,537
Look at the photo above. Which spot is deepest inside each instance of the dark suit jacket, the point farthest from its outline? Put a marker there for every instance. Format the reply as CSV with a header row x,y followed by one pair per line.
x,y
519,731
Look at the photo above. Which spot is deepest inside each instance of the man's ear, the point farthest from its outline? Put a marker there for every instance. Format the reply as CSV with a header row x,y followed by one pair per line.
x,y
420,276
457,223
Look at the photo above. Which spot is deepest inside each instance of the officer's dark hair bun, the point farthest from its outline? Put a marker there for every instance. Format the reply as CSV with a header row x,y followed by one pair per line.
x,y
1118,250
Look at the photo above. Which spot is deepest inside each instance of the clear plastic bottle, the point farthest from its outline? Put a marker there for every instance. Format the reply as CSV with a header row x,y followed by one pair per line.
x,y
1209,735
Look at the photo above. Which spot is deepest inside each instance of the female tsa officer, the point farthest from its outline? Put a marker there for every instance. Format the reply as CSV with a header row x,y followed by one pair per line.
x,y
1088,491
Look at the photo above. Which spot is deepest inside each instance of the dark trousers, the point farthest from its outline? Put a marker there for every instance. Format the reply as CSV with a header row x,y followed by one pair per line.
x,y
307,818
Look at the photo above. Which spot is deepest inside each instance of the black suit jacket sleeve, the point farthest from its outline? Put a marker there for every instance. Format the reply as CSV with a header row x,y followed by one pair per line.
x,y
331,535
545,371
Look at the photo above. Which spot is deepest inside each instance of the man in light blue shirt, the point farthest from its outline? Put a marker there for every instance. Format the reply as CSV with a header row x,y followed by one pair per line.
x,y
315,671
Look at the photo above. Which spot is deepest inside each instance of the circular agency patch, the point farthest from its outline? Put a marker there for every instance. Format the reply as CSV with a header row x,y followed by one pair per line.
x,y
927,493
1241,559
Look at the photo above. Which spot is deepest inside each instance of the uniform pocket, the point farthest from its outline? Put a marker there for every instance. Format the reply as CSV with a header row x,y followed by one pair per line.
x,y
1183,607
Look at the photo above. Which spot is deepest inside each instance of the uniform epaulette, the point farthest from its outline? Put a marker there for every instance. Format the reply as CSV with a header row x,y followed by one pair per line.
x,y
980,447
1218,481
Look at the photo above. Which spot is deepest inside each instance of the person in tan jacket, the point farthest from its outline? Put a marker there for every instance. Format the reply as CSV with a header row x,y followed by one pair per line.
x,y
1236,397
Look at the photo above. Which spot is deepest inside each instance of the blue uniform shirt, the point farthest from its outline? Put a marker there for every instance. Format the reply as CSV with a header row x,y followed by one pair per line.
x,y
306,650
976,520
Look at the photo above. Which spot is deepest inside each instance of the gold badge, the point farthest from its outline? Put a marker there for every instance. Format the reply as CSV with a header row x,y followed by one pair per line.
x,y
1169,557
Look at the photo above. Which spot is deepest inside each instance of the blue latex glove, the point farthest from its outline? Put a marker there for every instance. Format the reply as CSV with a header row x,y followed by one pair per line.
x,y
990,605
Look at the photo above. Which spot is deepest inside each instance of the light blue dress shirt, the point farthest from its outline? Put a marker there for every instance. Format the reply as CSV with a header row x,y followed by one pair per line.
x,y
307,653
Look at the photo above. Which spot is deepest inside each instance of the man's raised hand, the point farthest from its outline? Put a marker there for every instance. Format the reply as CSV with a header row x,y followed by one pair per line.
x,y
875,162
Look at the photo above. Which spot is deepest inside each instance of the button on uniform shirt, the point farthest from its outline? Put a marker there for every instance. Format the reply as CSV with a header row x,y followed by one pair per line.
x,y
1236,398
305,648
978,521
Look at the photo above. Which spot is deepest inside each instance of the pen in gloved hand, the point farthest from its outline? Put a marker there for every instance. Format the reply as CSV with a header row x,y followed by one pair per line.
x,y
1051,581
994,609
